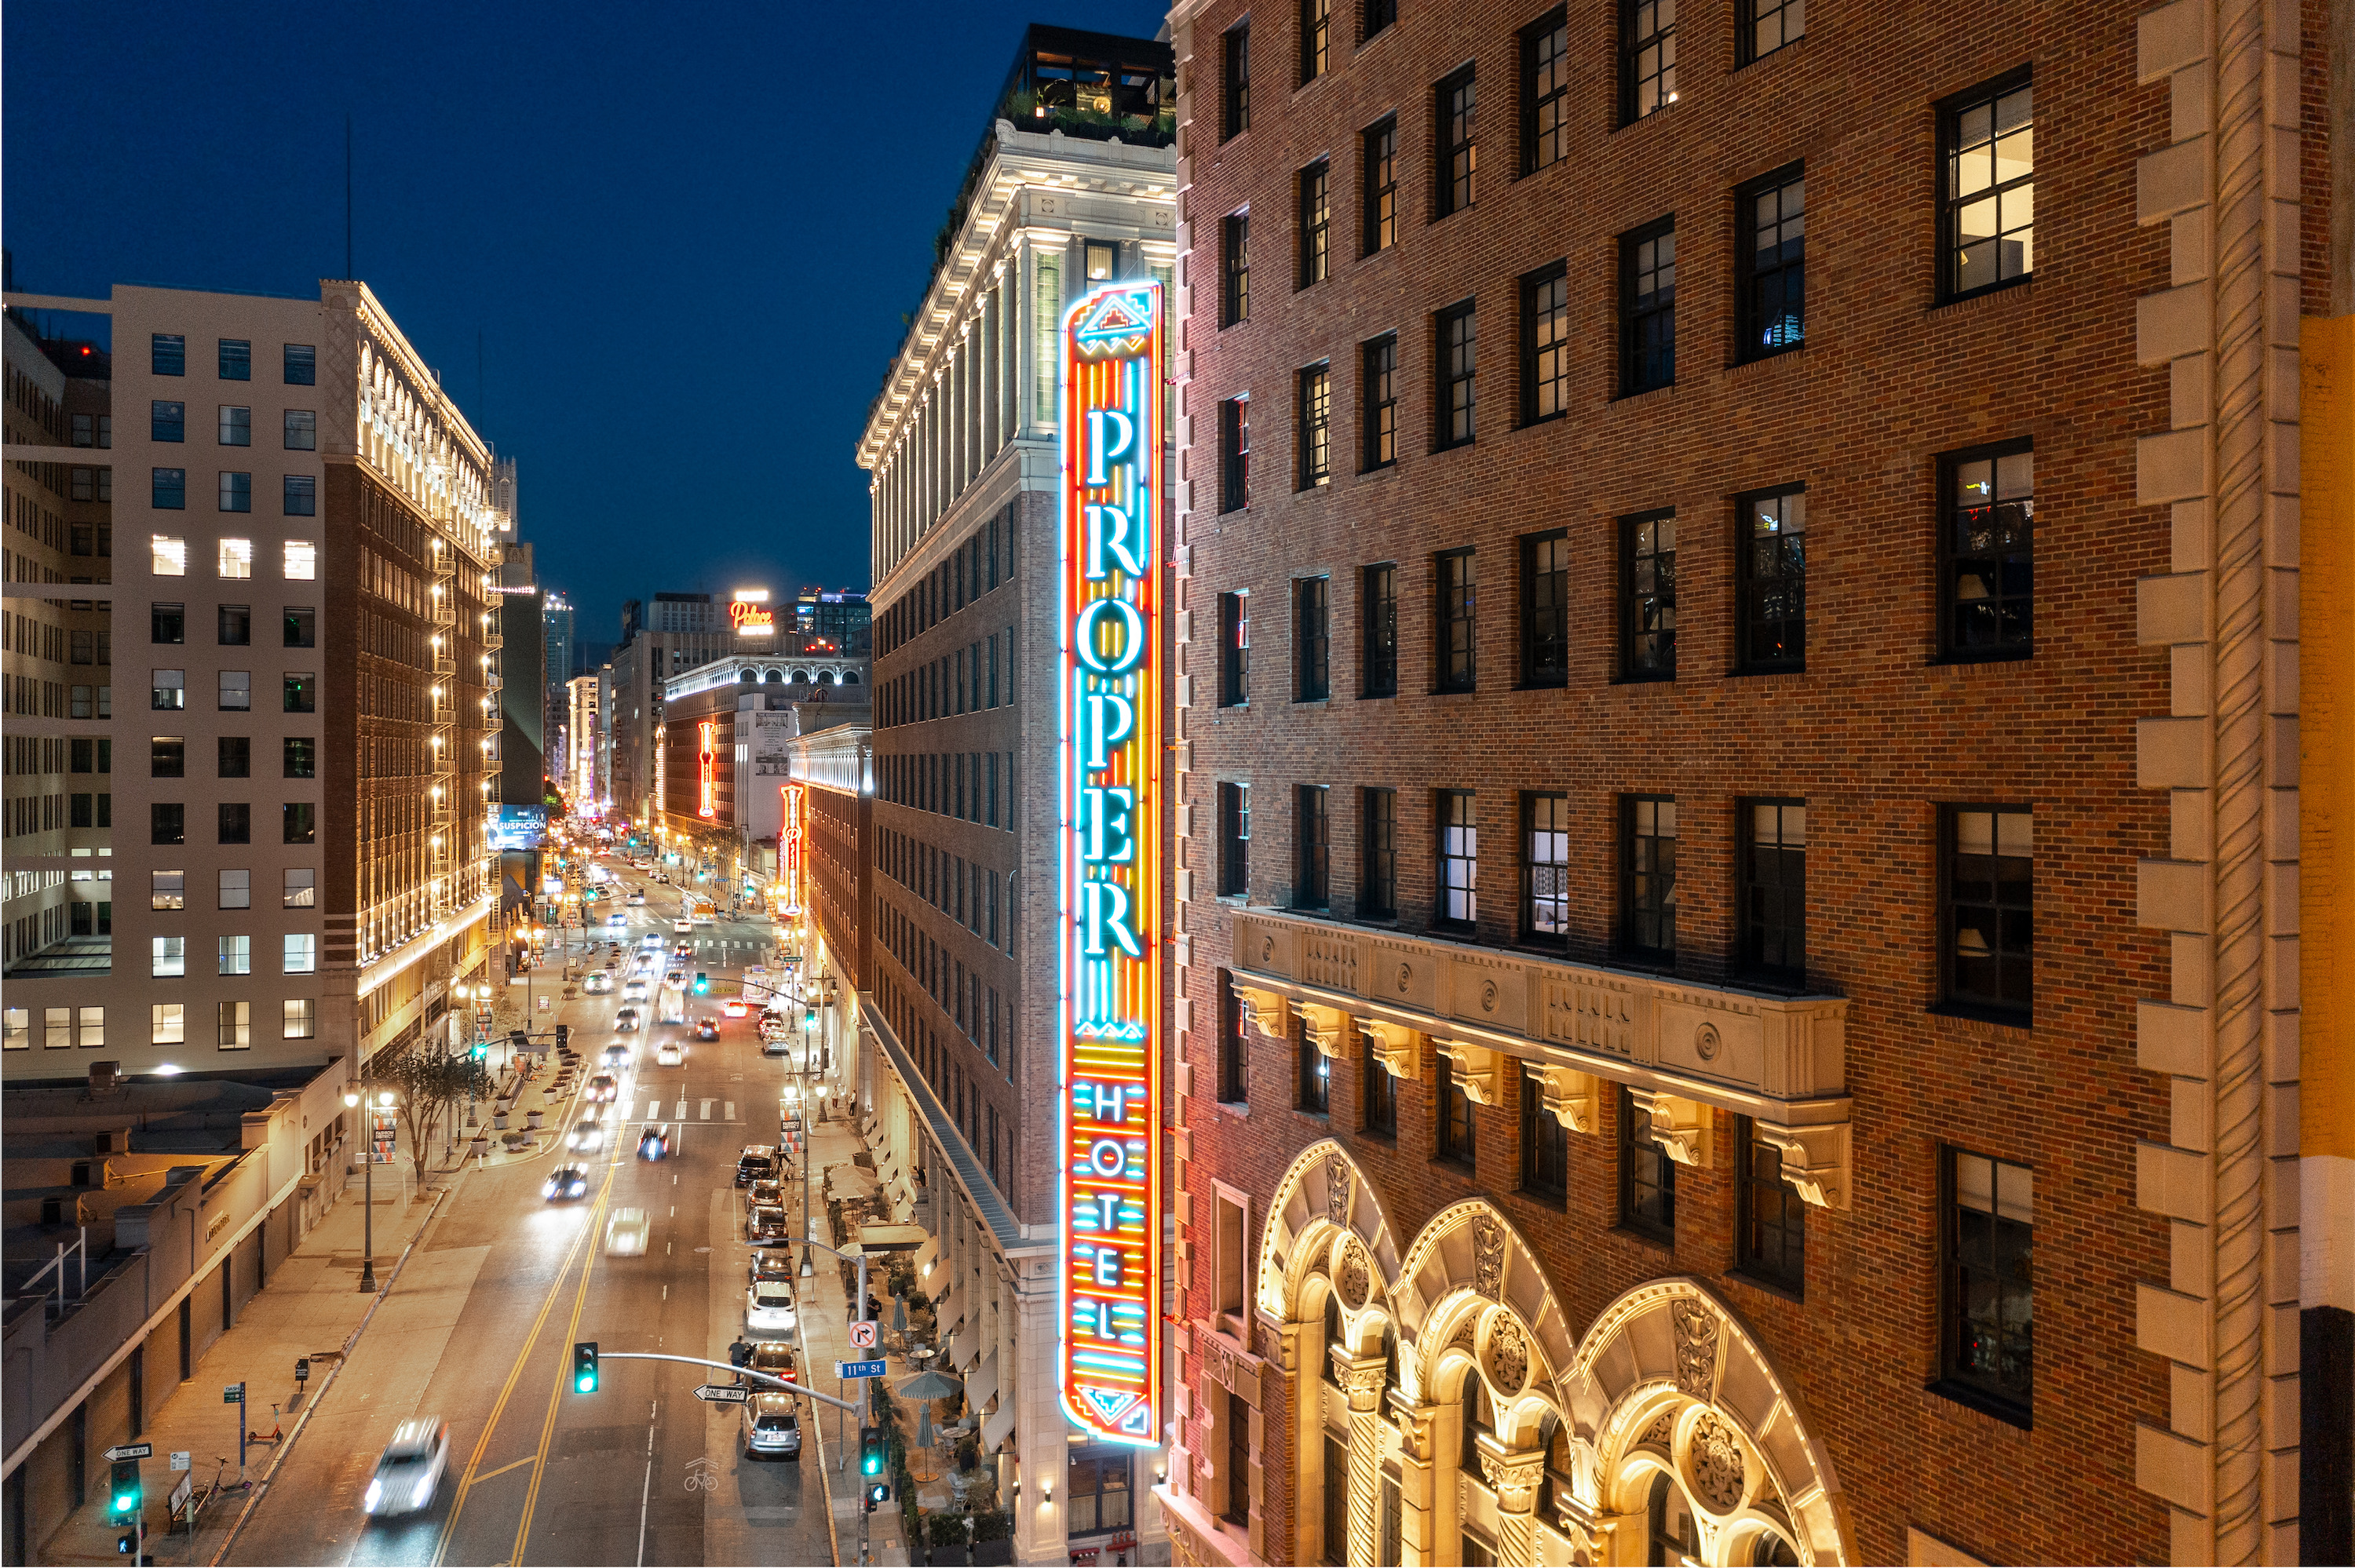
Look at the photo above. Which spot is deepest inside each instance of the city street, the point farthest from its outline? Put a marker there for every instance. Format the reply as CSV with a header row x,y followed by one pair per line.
x,y
479,1333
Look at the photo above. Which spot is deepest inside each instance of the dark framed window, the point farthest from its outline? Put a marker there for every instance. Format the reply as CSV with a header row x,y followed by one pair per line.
x,y
1316,35
1770,1228
1767,26
1311,840
1456,590
1457,153
168,421
167,354
301,626
299,495
300,756
1987,208
1459,858
1234,454
1315,413
1545,91
1316,220
1377,620
1648,57
1545,868
1772,866
1234,1044
1235,306
168,490
1236,71
1545,1142
1545,608
1378,1089
236,359
168,624
1316,1069
1771,262
1337,1492
233,756
1545,345
1377,151
168,823
1239,1466
1312,639
168,757
1375,16
1647,876
1989,1345
1989,914
1100,1487
1456,335
1648,1177
1235,648
1771,593
1378,855
302,364
1648,308
1453,1106
234,625
1987,540
1647,597
236,822
1234,840
1380,423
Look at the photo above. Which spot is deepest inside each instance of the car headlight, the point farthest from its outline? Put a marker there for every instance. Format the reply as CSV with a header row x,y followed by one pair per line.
x,y
374,1495
422,1493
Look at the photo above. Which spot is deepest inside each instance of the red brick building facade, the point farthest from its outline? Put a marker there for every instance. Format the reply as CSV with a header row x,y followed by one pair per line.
x,y
1730,1002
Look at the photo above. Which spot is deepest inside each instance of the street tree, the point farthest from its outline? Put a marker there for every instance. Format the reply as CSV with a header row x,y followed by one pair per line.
x,y
428,1084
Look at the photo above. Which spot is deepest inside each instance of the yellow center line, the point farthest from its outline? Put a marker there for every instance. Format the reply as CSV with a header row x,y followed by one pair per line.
x,y
563,1369
523,1355
502,1469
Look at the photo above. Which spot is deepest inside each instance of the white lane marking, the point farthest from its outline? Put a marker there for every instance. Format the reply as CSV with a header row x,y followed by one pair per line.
x,y
707,1110
681,1112
654,1110
731,1106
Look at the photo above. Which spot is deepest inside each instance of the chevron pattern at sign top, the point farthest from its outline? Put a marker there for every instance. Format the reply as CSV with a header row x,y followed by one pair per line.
x,y
1120,1410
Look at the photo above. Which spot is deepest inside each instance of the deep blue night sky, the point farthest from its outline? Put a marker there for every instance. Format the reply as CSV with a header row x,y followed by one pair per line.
x,y
686,237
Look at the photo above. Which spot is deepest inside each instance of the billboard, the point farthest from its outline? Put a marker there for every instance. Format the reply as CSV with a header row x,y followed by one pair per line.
x,y
518,827
1109,907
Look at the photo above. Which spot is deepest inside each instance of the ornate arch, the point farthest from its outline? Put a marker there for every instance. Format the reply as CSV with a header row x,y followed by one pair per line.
x,y
1668,1378
1325,1215
1468,1258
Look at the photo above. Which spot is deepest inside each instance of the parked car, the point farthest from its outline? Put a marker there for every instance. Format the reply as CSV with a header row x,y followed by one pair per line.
x,y
775,1265
627,1020
411,1465
758,1162
765,1225
564,1181
767,1192
769,1306
771,1430
626,1234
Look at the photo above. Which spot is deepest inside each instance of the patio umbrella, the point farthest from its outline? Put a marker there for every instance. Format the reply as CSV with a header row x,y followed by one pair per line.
x,y
924,1438
928,1386
899,1317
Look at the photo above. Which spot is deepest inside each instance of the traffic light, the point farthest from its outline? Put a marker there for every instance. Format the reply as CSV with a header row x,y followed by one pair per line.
x,y
878,1492
702,983
584,1367
125,1499
563,1035
871,1452
481,1050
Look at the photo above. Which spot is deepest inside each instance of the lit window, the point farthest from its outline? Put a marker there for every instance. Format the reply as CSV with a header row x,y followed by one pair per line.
x,y
302,560
1459,858
19,1029
237,557
167,957
168,555
302,956
236,1025
1989,206
302,1019
1648,57
301,888
237,890
237,955
167,889
167,1023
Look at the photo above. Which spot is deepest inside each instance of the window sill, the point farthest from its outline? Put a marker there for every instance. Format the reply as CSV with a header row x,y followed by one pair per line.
x,y
1989,1023
1744,361
1240,1109
1376,697
1620,397
1664,1246
1667,680
1457,1162
1777,674
1984,1404
1307,1113
1326,700
1453,692
1778,51
1543,1198
1948,302
1966,660
1759,1282
1547,685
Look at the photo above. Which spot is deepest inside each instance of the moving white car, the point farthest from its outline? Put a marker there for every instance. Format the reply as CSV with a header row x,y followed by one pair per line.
x,y
598,982
411,1466
669,1053
626,1234
586,1138
634,990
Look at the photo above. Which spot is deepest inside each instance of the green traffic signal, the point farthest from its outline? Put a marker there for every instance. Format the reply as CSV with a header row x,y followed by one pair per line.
x,y
584,1367
125,1492
702,983
870,1450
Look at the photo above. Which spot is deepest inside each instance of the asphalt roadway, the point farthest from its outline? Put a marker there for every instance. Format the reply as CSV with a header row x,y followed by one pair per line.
x,y
479,1331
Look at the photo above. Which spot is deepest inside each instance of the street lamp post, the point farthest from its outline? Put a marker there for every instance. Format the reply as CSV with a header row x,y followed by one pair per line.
x,y
357,1095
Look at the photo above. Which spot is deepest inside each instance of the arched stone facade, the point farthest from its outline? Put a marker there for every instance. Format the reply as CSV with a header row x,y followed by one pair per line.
x,y
1441,1397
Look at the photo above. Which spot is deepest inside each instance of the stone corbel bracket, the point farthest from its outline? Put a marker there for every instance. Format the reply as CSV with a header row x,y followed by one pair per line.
x,y
1685,1130
1269,1011
1477,1068
1328,1027
1396,1046
1816,1160
1574,1098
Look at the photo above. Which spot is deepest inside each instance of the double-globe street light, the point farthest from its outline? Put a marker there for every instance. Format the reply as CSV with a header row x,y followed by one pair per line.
x,y
355,1095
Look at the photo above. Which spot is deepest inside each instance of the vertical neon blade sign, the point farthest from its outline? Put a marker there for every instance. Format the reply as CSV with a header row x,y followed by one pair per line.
x,y
789,844
707,759
1109,905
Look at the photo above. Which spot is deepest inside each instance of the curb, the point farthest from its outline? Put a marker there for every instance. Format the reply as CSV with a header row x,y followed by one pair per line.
x,y
261,1487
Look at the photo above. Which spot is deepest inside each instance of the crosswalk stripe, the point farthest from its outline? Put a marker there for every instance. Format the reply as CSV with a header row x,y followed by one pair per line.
x,y
680,1113
731,1110
654,1110
707,1110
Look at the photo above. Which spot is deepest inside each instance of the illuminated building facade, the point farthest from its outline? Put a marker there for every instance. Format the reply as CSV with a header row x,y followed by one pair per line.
x,y
961,1053
307,752
1737,971
724,741
586,705
834,770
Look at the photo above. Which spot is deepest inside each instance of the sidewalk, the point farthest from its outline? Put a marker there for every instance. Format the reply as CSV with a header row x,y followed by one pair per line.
x,y
312,1303
826,1339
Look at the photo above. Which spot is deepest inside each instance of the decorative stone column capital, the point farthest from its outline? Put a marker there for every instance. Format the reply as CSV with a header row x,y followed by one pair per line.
x,y
1362,1380
1518,1476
